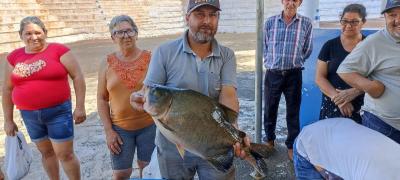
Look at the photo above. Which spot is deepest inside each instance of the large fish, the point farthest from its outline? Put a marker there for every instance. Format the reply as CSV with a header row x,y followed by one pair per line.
x,y
200,125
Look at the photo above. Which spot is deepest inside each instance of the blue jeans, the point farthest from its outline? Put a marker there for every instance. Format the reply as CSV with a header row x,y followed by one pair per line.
x,y
289,83
373,122
173,166
303,169
141,139
54,122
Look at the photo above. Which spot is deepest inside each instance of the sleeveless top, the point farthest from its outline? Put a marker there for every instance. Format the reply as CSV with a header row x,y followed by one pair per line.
x,y
123,78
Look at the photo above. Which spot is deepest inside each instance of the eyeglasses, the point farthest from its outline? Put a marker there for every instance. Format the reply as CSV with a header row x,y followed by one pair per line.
x,y
121,33
352,23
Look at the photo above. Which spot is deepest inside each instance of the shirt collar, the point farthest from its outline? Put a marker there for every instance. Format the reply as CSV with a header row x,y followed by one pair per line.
x,y
389,36
216,51
296,17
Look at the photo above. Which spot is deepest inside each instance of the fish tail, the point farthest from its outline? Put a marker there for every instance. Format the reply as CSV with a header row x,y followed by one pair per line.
x,y
258,152
258,164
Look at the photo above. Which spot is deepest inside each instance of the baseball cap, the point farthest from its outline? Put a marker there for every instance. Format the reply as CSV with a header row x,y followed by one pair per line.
x,y
194,4
390,4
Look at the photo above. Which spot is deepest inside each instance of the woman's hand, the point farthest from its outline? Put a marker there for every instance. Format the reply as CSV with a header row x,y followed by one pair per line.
x,y
10,128
113,141
79,115
346,109
345,96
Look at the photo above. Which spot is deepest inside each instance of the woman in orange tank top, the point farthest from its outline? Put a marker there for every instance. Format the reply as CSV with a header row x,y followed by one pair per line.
x,y
121,74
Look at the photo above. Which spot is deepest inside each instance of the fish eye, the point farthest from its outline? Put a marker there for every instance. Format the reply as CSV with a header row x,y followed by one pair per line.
x,y
157,93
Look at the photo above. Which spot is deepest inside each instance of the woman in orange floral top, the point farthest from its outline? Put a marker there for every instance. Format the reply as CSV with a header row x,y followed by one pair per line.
x,y
121,74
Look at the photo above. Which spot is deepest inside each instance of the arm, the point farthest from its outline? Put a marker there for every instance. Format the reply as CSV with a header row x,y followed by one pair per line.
x,y
228,97
103,107
74,71
373,87
339,97
358,65
322,81
308,45
265,51
8,106
346,96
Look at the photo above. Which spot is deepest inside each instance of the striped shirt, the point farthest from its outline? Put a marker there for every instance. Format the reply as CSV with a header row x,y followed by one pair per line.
x,y
286,46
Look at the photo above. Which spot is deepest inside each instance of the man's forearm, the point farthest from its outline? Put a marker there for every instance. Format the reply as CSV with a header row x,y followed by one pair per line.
x,y
356,80
373,87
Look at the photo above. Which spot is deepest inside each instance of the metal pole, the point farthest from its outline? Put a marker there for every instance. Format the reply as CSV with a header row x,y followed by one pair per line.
x,y
259,78
259,69
311,10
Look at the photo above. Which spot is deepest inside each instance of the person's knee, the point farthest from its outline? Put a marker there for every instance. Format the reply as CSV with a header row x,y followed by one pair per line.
x,y
122,174
47,153
142,164
66,156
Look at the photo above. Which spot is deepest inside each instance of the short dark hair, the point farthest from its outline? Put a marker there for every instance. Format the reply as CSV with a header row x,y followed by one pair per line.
x,y
31,20
356,8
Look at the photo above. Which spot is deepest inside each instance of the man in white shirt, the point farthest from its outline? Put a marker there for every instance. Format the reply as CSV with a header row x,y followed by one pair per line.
x,y
341,148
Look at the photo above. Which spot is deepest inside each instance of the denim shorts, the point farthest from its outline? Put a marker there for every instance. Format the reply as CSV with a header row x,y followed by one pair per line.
x,y
54,123
173,166
141,139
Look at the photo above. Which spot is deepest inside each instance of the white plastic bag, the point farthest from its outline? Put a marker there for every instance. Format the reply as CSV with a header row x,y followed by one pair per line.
x,y
18,157
152,171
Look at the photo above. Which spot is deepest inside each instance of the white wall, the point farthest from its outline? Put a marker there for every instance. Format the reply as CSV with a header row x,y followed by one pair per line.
x,y
240,15
331,9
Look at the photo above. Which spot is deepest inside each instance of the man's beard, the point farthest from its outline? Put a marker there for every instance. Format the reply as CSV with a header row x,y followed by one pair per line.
x,y
395,33
202,38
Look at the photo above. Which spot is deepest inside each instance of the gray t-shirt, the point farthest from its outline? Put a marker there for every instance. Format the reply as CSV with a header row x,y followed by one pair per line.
x,y
174,64
378,58
350,150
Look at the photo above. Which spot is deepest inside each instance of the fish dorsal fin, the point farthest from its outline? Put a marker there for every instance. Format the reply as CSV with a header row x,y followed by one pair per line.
x,y
231,115
181,150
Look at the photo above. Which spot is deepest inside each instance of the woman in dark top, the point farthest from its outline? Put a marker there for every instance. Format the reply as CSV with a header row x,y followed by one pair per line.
x,y
339,99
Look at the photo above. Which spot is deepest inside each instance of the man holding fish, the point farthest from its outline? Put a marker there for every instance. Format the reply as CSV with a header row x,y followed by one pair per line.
x,y
198,62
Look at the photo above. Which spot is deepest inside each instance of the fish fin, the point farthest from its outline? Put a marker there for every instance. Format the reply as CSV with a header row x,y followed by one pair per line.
x,y
222,162
181,150
230,114
165,126
257,154
258,164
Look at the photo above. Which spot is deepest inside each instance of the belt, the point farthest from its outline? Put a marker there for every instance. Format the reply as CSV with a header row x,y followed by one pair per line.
x,y
285,71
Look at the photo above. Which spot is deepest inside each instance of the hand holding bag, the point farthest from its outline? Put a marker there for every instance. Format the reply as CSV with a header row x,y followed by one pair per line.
x,y
18,157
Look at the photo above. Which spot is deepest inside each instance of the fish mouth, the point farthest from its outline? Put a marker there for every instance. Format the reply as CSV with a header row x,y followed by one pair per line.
x,y
154,110
159,115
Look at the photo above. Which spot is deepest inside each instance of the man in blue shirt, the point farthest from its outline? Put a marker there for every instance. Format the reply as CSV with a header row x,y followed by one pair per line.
x,y
287,43
194,61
